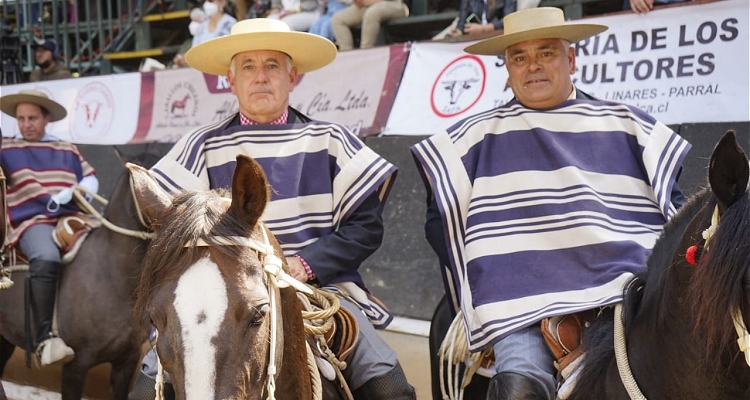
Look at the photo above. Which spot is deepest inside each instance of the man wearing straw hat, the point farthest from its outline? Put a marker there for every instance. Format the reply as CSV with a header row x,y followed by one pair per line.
x,y
327,188
41,171
545,206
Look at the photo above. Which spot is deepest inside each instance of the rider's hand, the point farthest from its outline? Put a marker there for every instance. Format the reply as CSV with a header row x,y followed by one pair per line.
x,y
296,269
64,196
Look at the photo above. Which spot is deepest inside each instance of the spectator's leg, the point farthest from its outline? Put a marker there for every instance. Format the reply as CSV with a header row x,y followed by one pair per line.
x,y
322,26
341,23
301,21
377,13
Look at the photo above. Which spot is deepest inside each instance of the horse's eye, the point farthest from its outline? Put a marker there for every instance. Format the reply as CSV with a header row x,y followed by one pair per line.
x,y
259,313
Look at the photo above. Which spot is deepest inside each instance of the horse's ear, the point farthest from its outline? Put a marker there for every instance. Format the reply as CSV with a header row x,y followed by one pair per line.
x,y
152,200
249,190
728,170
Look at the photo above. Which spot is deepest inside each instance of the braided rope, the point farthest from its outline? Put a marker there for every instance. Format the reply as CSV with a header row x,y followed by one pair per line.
x,y
315,382
89,209
318,310
338,365
621,355
455,350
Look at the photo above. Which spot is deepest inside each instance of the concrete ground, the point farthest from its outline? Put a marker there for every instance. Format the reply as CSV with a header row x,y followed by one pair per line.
x,y
23,384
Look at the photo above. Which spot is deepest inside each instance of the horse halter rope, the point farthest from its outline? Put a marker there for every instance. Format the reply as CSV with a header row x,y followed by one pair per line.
x,y
621,354
277,278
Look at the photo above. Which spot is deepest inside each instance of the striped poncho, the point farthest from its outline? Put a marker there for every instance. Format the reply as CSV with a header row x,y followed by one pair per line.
x,y
319,174
548,212
36,171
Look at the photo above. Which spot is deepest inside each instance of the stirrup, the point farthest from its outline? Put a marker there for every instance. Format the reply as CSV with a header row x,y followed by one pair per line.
x,y
53,351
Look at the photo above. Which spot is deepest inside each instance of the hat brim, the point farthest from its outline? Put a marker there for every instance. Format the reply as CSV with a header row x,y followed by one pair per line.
x,y
495,46
8,105
308,52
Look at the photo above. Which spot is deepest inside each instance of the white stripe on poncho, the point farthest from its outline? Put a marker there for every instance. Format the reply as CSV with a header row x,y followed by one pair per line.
x,y
318,172
548,212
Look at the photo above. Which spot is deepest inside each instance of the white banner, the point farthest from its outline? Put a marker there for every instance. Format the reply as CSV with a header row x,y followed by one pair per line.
x,y
356,90
348,91
101,109
680,64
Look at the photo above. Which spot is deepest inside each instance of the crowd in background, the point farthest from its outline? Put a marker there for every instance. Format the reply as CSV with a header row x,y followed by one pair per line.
x,y
336,20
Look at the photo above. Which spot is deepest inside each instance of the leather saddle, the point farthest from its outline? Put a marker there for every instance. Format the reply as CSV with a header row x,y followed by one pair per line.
x,y
70,232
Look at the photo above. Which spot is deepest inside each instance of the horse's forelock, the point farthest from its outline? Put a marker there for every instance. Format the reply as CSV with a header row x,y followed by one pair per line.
x,y
193,216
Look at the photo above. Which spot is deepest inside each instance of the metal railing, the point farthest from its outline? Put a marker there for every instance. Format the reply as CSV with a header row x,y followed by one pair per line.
x,y
84,29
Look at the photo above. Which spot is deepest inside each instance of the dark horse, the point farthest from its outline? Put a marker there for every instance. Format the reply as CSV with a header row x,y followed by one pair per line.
x,y
205,290
678,317
95,302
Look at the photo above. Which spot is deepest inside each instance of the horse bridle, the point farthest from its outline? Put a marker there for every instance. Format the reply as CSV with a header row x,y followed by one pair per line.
x,y
621,354
277,278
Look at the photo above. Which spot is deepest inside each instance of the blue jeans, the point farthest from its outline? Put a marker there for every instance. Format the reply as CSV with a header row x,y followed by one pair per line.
x,y
322,26
526,352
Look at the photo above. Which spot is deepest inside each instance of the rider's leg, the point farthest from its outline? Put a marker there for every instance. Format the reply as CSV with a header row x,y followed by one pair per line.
x,y
372,371
45,268
524,367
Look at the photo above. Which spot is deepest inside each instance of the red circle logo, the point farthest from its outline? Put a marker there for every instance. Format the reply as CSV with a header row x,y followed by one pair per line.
x,y
458,87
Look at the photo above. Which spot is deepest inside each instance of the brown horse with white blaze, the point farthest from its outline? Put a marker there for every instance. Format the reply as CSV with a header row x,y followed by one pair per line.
x,y
206,289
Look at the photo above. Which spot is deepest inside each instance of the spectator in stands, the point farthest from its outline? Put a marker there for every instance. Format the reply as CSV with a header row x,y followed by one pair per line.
x,y
369,13
197,17
510,214
644,6
298,14
323,25
47,57
480,16
217,23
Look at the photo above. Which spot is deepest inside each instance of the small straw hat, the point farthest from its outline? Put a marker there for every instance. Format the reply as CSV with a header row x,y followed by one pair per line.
x,y
8,103
531,24
308,52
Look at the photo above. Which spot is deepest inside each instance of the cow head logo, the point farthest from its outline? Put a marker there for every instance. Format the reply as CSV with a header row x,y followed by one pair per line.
x,y
459,86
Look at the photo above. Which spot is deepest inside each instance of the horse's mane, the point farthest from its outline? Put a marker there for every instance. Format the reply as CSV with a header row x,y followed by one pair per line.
x,y
663,254
721,278
643,288
193,216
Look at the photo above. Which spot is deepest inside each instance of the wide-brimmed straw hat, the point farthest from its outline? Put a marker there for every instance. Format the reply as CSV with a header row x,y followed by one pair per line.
x,y
531,24
8,103
308,52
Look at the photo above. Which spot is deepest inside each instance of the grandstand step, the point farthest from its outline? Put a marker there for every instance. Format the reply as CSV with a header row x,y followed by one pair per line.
x,y
182,14
137,54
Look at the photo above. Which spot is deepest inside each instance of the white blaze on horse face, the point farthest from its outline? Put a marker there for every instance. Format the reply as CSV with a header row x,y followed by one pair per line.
x,y
200,301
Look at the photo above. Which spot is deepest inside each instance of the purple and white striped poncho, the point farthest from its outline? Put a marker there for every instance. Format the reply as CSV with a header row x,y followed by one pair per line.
x,y
318,172
548,212
36,171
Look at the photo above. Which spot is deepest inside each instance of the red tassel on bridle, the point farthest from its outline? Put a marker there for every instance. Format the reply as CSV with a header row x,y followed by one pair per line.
x,y
693,254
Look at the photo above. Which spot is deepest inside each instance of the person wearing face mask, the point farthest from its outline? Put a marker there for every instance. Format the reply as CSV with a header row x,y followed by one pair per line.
x,y
197,17
47,57
216,24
